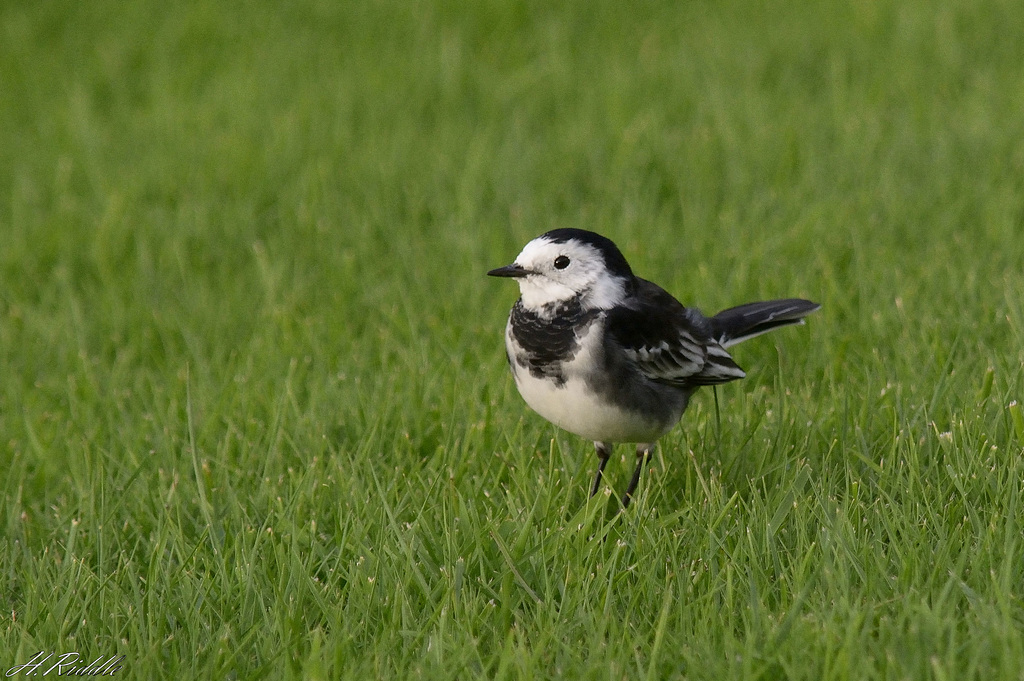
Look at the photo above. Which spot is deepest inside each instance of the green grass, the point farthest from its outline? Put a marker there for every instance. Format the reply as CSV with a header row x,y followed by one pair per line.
x,y
255,416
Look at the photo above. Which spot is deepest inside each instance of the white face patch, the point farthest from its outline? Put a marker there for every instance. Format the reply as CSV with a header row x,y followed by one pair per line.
x,y
562,271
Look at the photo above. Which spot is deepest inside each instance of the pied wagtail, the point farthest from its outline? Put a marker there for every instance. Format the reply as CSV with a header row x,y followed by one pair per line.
x,y
612,357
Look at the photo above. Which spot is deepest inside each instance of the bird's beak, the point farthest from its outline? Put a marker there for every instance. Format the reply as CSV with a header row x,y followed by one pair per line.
x,y
514,270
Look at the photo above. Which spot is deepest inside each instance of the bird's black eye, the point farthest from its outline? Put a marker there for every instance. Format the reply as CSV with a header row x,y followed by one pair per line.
x,y
561,262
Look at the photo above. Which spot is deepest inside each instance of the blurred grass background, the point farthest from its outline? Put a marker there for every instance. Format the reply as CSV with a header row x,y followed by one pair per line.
x,y
255,420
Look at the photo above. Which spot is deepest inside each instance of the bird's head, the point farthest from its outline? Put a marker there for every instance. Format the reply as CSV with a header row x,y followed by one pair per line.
x,y
567,264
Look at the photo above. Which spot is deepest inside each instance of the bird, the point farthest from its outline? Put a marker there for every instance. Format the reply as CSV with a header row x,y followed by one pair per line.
x,y
614,358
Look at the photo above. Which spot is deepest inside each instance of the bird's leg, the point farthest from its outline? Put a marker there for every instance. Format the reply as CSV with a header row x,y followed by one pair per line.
x,y
604,452
643,453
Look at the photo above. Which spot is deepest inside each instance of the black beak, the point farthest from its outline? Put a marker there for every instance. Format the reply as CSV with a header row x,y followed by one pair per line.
x,y
512,270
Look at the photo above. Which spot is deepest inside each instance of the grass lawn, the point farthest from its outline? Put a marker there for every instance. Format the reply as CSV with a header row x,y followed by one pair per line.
x,y
255,415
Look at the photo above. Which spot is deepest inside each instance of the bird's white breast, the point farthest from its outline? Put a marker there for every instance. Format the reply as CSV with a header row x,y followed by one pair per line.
x,y
574,405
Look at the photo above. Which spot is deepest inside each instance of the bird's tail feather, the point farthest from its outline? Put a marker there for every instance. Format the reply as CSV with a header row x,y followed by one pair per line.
x,y
742,322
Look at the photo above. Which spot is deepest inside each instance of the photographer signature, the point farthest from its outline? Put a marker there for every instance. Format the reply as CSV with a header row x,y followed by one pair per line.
x,y
67,664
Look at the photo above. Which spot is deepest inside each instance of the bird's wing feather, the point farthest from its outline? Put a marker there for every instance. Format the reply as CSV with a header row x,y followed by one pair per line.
x,y
669,343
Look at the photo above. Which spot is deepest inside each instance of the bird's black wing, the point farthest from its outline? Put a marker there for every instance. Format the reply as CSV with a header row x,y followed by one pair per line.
x,y
667,342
